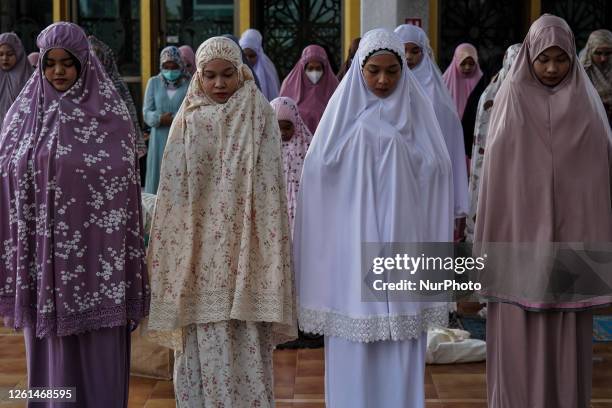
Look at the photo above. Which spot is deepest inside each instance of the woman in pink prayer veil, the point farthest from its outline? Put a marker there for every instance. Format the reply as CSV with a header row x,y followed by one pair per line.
x,y
311,83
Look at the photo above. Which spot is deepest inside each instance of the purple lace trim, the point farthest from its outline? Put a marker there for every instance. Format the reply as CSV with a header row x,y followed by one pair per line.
x,y
77,323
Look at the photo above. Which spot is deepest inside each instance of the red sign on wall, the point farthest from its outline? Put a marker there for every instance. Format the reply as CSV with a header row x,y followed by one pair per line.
x,y
414,21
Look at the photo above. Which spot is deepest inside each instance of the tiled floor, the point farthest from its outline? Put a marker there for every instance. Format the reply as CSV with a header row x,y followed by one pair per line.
x,y
299,380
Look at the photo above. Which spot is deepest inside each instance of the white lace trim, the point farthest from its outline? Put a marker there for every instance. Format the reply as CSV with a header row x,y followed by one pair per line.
x,y
166,319
218,305
370,329
379,39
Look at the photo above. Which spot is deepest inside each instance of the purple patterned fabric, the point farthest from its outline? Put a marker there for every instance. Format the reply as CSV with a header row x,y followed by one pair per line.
x,y
71,239
12,81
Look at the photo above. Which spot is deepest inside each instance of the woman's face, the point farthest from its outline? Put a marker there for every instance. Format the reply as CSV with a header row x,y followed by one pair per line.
x,y
382,74
314,66
601,56
219,80
251,56
171,65
287,130
60,69
467,66
314,71
414,55
551,66
8,58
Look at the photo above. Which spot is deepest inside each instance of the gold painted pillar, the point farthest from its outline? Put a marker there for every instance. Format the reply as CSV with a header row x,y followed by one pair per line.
x,y
535,9
148,39
434,18
351,23
61,10
244,17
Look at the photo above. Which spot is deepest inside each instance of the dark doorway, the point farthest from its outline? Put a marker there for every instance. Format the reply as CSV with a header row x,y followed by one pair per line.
x,y
491,26
289,26
583,16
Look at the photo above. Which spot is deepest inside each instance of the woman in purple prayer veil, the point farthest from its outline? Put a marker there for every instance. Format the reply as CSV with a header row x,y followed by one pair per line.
x,y
72,275
15,70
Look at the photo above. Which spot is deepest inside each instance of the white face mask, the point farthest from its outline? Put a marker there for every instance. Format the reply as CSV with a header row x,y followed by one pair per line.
x,y
314,76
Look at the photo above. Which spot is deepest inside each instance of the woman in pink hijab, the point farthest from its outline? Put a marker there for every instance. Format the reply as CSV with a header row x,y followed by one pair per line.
x,y
295,138
311,83
546,179
462,75
466,83
188,57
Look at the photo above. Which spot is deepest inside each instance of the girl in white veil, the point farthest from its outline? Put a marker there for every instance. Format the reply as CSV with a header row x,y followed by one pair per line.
x,y
377,170
428,75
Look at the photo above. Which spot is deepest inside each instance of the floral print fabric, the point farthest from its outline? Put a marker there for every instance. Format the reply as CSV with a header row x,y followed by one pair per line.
x,y
107,57
225,364
220,247
294,150
485,106
72,253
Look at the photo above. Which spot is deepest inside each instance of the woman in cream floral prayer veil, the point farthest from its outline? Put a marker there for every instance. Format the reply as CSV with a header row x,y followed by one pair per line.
x,y
222,284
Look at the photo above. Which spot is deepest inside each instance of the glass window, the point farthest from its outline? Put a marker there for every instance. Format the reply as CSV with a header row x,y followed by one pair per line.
x,y
191,22
117,23
27,18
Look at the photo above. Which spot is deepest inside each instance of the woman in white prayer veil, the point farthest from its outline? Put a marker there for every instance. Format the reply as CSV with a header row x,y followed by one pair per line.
x,y
377,171
428,75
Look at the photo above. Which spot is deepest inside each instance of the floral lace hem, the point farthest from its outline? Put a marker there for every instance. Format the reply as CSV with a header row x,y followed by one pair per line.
x,y
216,306
166,321
370,329
78,323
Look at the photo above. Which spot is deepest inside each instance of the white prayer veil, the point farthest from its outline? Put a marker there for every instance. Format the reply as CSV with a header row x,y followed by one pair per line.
x,y
377,171
428,75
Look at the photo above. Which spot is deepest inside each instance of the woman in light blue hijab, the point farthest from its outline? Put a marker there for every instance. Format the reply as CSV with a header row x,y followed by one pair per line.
x,y
163,97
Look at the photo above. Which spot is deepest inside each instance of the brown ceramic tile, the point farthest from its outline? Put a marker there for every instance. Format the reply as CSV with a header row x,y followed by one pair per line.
x,y
11,380
163,390
284,375
285,366
311,354
160,403
281,356
14,366
465,404
430,391
469,368
310,368
283,392
603,389
13,405
299,380
460,386
309,387
141,389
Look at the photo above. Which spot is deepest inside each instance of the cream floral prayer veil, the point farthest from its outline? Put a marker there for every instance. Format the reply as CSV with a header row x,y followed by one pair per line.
x,y
215,48
220,238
